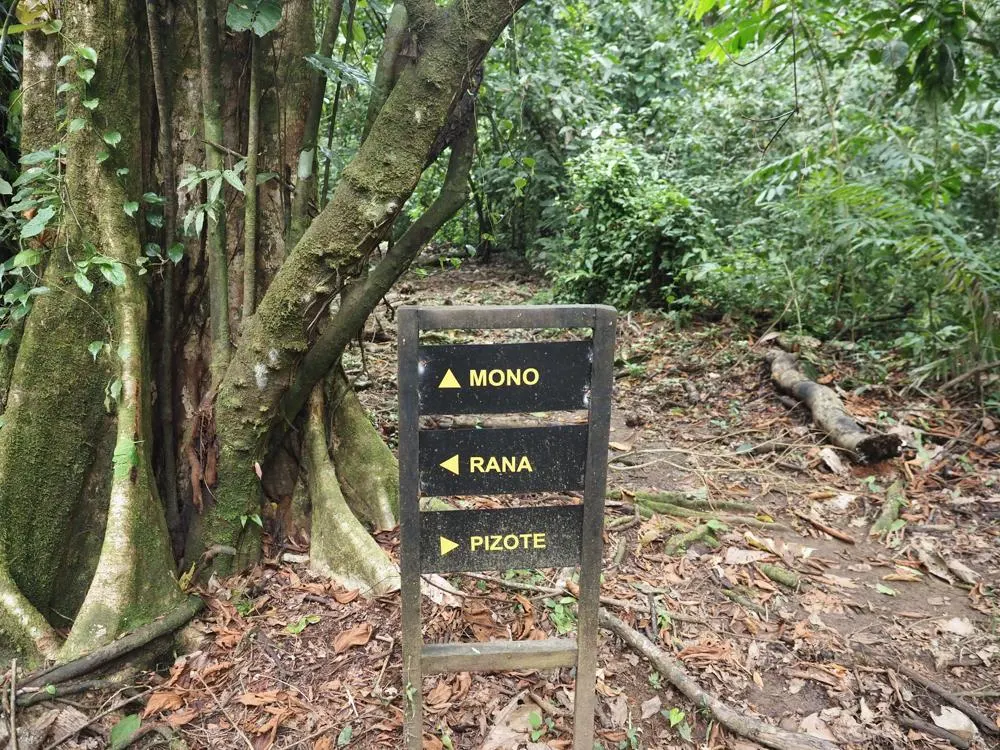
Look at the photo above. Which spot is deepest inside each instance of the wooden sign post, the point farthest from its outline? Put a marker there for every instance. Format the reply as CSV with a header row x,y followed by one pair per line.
x,y
494,379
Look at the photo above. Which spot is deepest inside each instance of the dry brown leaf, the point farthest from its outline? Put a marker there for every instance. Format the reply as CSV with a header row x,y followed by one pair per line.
x,y
182,717
162,701
346,596
356,636
439,694
323,743
258,699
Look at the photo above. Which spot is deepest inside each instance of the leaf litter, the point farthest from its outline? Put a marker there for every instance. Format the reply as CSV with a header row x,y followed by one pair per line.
x,y
283,659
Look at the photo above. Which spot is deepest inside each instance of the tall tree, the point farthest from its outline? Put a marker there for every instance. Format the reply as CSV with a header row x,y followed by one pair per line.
x,y
140,343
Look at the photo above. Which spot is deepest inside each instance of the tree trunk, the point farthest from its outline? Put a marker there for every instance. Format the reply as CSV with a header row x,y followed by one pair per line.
x,y
828,411
90,461
84,543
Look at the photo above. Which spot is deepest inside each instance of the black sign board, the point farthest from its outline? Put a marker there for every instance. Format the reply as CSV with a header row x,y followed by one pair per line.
x,y
500,539
502,460
492,379
504,378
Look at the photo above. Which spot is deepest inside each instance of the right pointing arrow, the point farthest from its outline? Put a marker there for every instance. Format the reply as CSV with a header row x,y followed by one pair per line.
x,y
451,464
447,545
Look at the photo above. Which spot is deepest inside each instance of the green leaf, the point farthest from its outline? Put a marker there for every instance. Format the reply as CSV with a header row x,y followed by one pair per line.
x,y
37,157
153,199
85,74
65,86
883,589
345,736
534,719
336,69
5,188
121,171
130,208
114,273
77,124
91,104
64,60
83,282
125,729
259,16
25,258
297,627
675,717
50,689
176,252
263,177
37,224
112,138
94,347
233,179
103,156
87,53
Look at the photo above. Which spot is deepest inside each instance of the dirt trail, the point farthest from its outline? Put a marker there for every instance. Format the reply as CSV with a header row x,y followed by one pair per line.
x,y
294,663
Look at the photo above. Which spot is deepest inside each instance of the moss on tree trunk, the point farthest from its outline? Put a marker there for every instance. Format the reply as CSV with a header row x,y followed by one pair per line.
x,y
370,194
341,547
368,472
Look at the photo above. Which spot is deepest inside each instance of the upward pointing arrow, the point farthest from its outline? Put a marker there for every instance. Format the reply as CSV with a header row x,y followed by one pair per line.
x,y
451,464
449,381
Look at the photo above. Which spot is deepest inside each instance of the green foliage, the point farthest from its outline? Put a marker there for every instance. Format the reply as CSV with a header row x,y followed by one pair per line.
x,y
123,732
259,16
628,231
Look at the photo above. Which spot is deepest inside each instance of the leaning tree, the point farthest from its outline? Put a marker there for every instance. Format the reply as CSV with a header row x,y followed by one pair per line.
x,y
174,313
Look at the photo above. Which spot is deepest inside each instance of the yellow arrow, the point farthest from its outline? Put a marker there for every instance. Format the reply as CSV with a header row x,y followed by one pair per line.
x,y
451,464
447,545
449,381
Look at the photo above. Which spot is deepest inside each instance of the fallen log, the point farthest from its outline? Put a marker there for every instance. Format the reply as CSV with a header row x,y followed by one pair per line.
x,y
743,725
828,411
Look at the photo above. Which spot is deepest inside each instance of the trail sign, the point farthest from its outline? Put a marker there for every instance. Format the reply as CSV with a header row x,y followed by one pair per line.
x,y
500,539
504,378
491,379
502,460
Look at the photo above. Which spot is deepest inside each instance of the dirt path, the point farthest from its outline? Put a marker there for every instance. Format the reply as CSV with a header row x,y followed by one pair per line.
x,y
292,662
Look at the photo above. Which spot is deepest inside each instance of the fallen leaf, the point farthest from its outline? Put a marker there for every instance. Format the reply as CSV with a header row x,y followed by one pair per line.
x,y
162,701
833,461
356,636
740,556
346,596
963,572
815,726
651,707
439,694
619,446
956,722
182,717
957,625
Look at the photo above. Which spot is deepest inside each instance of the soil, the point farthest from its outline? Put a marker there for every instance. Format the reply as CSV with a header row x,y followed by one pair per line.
x,y
283,659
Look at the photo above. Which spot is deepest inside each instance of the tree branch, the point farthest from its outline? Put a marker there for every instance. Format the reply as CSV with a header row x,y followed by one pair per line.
x,y
421,13
356,308
746,726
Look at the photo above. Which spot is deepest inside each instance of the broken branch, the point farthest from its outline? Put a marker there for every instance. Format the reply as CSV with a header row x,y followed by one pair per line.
x,y
828,411
750,727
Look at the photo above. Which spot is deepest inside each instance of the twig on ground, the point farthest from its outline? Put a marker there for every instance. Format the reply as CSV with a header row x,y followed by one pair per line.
x,y
781,575
911,722
225,713
550,591
547,706
835,533
116,649
750,727
55,692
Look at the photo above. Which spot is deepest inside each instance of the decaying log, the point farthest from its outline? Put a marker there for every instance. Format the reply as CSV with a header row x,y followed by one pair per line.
x,y
744,725
828,411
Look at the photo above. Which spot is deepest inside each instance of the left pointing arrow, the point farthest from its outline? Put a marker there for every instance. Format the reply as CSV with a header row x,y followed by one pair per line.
x,y
451,464
447,545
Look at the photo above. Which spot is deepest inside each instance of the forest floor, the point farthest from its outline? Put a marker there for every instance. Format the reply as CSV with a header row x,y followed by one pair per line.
x,y
286,660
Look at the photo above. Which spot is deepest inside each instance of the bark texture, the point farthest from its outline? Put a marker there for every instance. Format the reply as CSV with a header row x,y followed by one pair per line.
x,y
59,443
341,548
828,411
368,197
